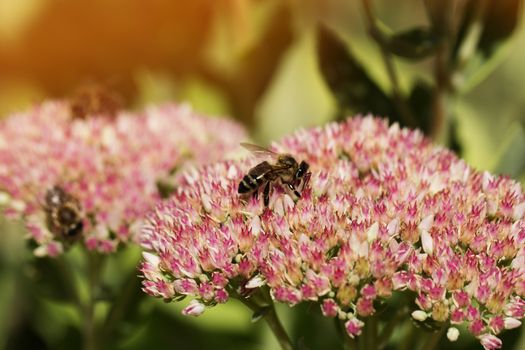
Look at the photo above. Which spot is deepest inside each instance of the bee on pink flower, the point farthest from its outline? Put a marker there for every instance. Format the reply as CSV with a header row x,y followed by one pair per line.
x,y
93,178
384,210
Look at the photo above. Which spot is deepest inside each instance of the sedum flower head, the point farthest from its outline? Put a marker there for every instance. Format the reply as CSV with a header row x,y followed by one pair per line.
x,y
384,210
102,169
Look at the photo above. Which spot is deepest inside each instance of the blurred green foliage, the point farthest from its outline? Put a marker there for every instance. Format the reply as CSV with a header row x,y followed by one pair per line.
x,y
452,68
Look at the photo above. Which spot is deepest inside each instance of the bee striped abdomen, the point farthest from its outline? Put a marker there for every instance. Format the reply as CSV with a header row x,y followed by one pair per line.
x,y
255,177
63,214
248,183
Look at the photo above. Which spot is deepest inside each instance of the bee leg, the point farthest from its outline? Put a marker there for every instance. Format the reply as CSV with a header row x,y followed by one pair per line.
x,y
306,179
266,194
292,188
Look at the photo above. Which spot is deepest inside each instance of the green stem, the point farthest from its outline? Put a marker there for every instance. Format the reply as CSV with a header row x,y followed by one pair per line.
x,y
89,329
126,297
433,340
64,268
409,339
271,319
444,69
439,127
386,332
278,330
403,109
371,333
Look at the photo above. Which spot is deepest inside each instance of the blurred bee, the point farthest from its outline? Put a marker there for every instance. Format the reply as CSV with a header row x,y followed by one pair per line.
x,y
95,99
285,169
63,213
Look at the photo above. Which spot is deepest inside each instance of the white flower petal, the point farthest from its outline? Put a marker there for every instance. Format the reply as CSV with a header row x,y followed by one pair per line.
x,y
419,315
427,242
511,323
426,223
151,258
194,308
452,334
255,282
372,232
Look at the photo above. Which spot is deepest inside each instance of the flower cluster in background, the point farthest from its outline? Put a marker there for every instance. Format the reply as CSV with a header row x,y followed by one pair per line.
x,y
384,210
107,165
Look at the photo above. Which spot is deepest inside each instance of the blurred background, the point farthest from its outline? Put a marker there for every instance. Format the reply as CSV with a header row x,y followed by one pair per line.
x,y
454,68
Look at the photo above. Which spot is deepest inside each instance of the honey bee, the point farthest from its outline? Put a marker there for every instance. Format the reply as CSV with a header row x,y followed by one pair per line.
x,y
95,99
285,169
63,213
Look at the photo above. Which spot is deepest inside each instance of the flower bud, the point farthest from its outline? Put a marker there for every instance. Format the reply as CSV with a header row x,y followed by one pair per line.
x,y
452,334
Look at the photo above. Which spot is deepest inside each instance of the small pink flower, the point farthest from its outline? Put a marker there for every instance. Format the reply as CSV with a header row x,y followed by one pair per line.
x,y
194,308
221,296
497,324
460,298
329,308
368,291
354,326
490,342
365,307
186,286
476,327
457,317
511,323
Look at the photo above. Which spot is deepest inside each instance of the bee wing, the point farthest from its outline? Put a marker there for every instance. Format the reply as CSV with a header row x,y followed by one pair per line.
x,y
259,151
261,169
265,169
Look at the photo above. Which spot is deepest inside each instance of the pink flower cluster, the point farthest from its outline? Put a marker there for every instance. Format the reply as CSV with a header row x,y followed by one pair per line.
x,y
109,165
384,210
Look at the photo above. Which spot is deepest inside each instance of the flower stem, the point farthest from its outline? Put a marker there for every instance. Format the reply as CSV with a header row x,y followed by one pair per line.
x,y
439,128
401,105
270,317
64,268
128,296
371,333
278,330
409,338
433,340
89,329
388,329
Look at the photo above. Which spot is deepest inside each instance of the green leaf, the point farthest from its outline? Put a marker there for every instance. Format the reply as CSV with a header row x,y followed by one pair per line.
x,y
500,22
352,87
415,43
512,158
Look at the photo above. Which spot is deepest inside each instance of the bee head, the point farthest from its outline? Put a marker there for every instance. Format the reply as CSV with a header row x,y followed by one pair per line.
x,y
302,169
55,196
